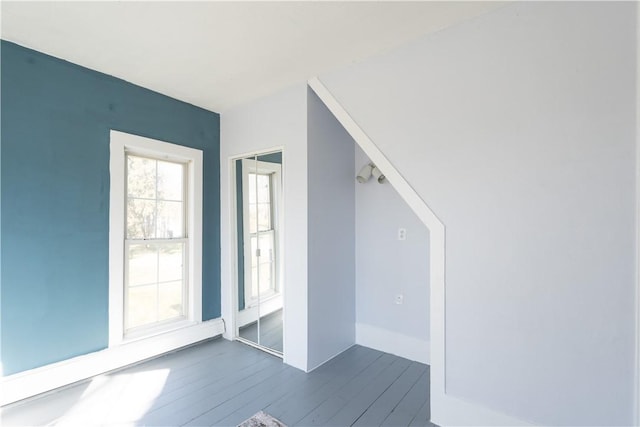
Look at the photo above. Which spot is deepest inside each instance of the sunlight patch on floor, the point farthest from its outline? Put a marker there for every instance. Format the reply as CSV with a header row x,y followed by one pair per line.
x,y
116,399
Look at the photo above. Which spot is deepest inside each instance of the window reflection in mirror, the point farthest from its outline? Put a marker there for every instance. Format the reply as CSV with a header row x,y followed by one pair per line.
x,y
259,220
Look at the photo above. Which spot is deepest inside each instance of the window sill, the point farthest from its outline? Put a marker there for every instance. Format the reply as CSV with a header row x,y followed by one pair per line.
x,y
155,330
263,299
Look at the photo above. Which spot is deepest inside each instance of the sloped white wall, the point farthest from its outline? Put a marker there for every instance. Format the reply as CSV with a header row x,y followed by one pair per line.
x,y
279,120
518,129
386,267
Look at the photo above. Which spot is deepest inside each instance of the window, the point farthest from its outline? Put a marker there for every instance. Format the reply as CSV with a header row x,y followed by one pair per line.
x,y
260,193
155,242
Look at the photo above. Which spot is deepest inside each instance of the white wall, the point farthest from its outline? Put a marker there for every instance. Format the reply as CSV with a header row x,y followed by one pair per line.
x,y
331,233
517,129
386,267
279,120
319,231
637,419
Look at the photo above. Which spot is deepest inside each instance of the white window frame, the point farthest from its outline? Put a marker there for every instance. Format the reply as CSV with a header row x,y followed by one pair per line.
x,y
275,170
120,144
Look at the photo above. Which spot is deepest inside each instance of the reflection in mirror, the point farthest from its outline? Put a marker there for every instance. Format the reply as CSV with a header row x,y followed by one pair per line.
x,y
259,219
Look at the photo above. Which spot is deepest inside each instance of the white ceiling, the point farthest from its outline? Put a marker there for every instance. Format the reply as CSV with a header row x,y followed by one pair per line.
x,y
220,54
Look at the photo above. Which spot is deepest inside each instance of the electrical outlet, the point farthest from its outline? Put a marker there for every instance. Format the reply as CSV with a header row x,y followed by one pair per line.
x,y
402,234
399,299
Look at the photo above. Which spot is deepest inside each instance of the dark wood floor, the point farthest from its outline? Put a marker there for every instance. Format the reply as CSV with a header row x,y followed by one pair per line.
x,y
222,383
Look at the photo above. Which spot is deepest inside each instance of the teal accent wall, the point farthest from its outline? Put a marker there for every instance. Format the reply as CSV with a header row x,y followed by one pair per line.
x,y
56,118
271,157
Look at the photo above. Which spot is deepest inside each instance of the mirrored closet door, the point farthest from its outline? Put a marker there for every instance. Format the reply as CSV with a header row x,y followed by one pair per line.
x,y
258,220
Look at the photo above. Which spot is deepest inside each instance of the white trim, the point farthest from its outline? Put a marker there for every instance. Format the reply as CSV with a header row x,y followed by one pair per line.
x,y
275,169
259,347
460,412
231,312
281,251
324,362
46,378
229,305
637,272
121,142
116,232
392,342
445,409
436,244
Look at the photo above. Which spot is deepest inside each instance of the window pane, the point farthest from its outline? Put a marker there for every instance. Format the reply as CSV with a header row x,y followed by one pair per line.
x,y
264,192
155,283
170,220
264,216
141,219
252,218
169,300
155,289
170,180
266,276
252,187
254,282
170,262
142,305
266,247
143,265
141,177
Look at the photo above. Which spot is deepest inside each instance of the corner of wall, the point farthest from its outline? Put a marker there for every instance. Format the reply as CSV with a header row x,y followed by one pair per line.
x,y
277,120
331,231
393,343
436,244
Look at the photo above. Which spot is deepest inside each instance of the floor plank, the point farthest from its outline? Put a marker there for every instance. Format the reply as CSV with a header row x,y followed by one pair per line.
x,y
193,405
350,413
422,417
222,383
384,405
232,363
323,412
288,407
411,403
299,408
216,414
262,401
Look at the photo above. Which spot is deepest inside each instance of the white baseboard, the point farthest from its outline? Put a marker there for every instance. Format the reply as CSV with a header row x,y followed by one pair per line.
x,y
446,410
392,342
453,411
46,378
339,352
